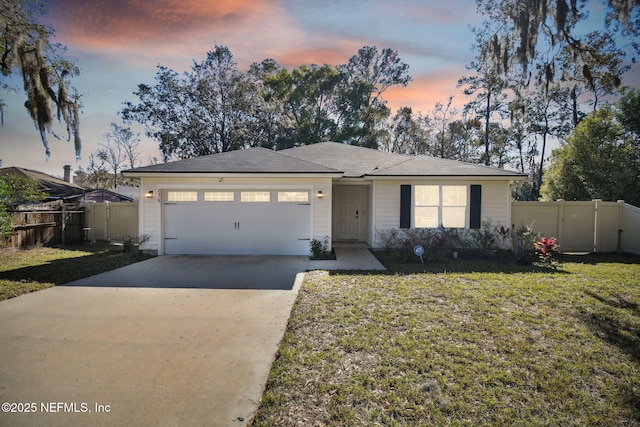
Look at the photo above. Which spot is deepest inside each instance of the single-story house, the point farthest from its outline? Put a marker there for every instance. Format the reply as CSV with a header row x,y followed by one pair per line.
x,y
54,188
259,201
113,196
63,189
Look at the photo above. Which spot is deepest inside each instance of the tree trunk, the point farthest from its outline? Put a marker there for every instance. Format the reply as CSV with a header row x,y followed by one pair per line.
x,y
486,130
544,147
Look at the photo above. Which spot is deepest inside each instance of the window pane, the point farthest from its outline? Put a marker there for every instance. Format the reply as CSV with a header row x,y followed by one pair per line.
x,y
427,195
454,195
255,196
426,217
454,217
293,196
218,196
182,196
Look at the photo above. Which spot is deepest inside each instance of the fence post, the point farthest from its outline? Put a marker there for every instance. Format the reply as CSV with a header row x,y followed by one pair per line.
x,y
107,220
64,224
560,234
620,230
597,224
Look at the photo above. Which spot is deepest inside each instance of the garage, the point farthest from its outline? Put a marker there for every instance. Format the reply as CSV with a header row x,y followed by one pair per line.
x,y
237,221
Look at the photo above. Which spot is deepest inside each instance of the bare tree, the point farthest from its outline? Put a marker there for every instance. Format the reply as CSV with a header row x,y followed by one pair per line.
x,y
120,149
442,115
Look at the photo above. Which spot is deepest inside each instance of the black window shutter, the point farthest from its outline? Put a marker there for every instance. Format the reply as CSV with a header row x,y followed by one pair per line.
x,y
476,202
405,206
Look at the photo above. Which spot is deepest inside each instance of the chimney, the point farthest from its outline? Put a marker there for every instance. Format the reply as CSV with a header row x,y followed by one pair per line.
x,y
67,173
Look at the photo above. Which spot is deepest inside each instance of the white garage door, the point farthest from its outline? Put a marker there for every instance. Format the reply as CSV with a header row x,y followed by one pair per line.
x,y
247,222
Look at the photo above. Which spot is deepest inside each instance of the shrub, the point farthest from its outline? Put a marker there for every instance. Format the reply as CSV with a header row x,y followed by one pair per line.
x,y
318,248
484,240
522,239
547,250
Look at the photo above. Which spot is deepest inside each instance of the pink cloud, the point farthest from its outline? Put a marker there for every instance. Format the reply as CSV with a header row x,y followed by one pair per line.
x,y
338,53
118,24
424,91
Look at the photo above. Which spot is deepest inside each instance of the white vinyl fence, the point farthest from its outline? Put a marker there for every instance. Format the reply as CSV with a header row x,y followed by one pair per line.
x,y
594,226
111,221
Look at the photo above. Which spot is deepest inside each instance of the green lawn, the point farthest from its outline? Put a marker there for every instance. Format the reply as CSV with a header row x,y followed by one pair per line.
x,y
468,343
24,271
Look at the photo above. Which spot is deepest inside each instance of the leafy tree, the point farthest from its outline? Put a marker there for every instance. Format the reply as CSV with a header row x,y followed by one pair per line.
x,y
25,47
215,107
595,162
549,116
308,98
487,85
629,113
15,190
223,104
205,111
465,139
406,133
361,107
270,126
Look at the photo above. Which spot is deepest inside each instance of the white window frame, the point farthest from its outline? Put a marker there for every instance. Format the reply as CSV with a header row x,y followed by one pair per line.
x,y
440,206
293,196
182,196
219,196
255,196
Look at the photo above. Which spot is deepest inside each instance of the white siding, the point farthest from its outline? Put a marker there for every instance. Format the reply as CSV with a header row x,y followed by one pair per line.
x,y
151,212
495,204
370,216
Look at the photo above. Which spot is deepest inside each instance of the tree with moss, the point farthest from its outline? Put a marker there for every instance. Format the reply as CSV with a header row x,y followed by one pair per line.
x,y
26,49
554,40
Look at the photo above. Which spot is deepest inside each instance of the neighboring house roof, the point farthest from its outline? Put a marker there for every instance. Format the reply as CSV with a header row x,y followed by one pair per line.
x,y
105,196
326,157
54,188
128,191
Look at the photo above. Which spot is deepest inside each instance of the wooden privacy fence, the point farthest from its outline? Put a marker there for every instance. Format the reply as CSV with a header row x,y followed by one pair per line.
x,y
46,224
594,226
111,220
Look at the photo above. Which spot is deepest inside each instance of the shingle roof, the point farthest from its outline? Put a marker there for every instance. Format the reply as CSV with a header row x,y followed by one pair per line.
x,y
435,166
324,157
252,160
55,188
354,161
359,162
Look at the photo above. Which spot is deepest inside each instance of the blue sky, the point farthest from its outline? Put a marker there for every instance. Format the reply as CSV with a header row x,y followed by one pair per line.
x,y
119,43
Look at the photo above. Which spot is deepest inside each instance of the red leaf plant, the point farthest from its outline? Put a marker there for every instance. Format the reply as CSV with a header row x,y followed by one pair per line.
x,y
547,249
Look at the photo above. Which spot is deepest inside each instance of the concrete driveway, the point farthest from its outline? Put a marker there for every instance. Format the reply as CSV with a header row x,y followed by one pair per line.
x,y
171,341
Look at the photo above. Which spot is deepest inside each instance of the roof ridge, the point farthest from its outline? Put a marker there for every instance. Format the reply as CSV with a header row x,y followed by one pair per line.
x,y
304,160
408,158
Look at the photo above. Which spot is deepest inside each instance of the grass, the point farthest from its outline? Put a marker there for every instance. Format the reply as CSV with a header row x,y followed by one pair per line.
x,y
464,343
24,271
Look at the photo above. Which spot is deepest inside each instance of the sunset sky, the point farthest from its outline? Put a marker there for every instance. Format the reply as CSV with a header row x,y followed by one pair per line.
x,y
119,43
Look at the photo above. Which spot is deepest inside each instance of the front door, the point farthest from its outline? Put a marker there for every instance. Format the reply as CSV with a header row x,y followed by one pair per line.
x,y
347,213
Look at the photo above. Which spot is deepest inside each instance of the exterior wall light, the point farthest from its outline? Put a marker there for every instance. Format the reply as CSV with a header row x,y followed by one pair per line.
x,y
149,194
320,194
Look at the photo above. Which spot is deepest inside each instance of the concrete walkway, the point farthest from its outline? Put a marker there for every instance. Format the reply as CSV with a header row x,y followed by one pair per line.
x,y
171,341
348,257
